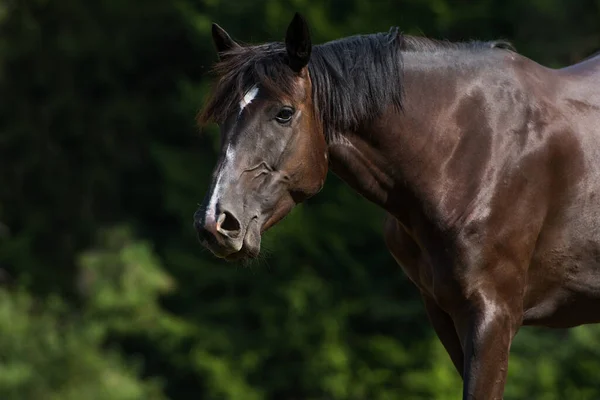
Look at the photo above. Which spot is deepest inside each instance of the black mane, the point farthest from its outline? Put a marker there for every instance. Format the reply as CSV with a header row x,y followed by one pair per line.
x,y
354,79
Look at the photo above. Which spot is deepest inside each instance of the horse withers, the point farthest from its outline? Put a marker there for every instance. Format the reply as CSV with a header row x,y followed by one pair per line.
x,y
487,163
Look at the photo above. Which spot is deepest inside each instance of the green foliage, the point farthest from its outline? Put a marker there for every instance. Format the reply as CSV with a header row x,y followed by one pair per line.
x,y
121,282
50,350
97,131
553,365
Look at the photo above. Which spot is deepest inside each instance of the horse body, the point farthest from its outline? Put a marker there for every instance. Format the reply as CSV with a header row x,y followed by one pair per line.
x,y
494,208
489,171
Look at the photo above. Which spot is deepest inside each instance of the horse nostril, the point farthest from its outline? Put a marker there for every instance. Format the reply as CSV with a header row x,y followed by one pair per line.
x,y
228,225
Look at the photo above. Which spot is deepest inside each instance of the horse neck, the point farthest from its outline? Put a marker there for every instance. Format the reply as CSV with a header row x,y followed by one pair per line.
x,y
401,160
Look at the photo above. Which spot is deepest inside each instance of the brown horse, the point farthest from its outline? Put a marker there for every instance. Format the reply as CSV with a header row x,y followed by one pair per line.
x,y
487,163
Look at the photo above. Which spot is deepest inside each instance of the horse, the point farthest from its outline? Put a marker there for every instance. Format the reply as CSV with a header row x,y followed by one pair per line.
x,y
486,163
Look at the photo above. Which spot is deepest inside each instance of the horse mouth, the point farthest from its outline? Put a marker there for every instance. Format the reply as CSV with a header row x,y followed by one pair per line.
x,y
243,255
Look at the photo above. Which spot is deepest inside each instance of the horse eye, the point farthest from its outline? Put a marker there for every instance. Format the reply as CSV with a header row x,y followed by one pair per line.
x,y
284,115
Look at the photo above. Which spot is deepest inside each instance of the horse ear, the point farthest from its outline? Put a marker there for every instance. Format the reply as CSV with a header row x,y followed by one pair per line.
x,y
297,43
223,42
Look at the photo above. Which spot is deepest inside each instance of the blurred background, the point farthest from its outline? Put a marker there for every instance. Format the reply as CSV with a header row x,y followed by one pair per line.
x,y
105,292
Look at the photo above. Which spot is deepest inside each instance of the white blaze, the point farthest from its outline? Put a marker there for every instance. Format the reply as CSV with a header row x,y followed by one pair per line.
x,y
248,97
211,210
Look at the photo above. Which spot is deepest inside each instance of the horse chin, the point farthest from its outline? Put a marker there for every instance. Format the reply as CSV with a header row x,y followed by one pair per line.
x,y
251,245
